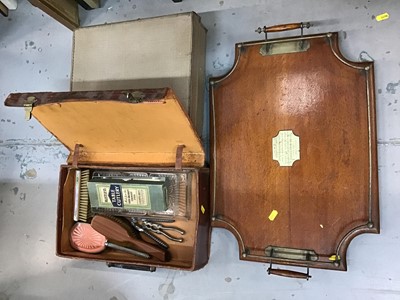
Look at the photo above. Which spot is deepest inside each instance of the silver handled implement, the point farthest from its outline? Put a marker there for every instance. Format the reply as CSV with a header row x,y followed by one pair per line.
x,y
160,229
140,228
127,250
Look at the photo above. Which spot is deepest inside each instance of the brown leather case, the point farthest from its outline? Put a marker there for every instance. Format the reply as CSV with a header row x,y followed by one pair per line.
x,y
126,130
293,152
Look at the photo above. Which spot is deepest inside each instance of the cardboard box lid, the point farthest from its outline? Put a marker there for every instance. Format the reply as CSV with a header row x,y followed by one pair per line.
x,y
134,127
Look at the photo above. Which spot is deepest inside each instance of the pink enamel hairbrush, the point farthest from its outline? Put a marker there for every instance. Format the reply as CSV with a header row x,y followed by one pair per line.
x,y
116,230
85,239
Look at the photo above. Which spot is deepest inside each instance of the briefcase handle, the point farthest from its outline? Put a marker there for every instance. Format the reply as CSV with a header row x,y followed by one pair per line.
x,y
131,267
283,27
288,273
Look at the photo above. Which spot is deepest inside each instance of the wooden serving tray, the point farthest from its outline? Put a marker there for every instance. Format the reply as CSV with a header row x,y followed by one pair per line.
x,y
293,152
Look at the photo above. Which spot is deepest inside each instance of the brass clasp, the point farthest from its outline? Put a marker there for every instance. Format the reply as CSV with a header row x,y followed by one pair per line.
x,y
28,107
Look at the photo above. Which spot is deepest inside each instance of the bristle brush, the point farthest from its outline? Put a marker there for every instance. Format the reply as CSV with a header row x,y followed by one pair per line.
x,y
83,198
114,229
182,196
77,189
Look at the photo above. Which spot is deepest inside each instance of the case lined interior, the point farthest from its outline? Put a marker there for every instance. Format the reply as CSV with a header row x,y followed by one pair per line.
x,y
116,132
182,255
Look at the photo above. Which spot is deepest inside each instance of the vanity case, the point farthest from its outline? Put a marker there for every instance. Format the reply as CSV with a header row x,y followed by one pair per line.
x,y
133,131
293,151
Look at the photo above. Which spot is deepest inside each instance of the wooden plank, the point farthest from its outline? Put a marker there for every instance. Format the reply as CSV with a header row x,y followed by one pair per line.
x,y
89,4
3,9
66,12
10,4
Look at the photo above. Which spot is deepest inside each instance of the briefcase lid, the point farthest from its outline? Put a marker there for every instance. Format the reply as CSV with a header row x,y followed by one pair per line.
x,y
146,127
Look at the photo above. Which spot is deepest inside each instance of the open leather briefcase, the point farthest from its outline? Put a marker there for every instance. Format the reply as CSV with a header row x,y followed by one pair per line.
x,y
293,151
138,148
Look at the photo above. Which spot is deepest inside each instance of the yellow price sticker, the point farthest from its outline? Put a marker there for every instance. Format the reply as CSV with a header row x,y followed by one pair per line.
x,y
273,215
203,210
334,257
382,17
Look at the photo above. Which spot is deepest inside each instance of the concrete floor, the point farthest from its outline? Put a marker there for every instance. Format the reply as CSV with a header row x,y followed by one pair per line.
x,y
35,55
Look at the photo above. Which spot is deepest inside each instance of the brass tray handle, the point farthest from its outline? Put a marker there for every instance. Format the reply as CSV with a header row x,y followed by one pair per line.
x,y
289,273
283,27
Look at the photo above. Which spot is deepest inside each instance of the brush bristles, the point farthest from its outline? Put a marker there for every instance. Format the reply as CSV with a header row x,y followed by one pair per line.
x,y
182,196
83,211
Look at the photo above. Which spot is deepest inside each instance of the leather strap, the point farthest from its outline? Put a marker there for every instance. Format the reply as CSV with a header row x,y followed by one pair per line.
x,y
76,156
178,160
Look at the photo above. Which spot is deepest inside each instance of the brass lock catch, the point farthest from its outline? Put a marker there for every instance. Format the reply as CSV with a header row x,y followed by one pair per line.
x,y
28,107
